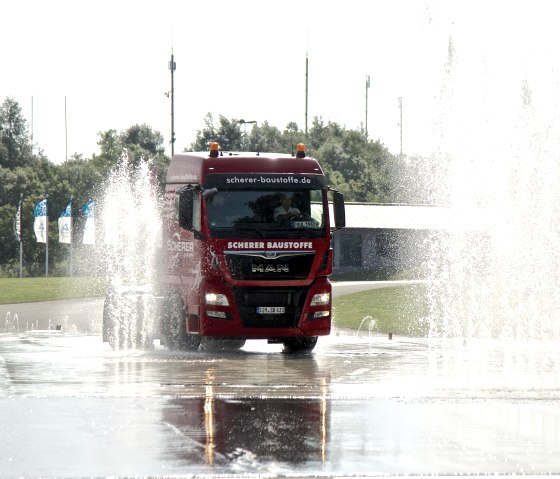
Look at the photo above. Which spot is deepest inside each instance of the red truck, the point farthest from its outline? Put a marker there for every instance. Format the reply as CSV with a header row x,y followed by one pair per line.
x,y
246,250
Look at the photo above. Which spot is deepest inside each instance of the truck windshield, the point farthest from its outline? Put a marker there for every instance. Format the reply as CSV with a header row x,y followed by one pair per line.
x,y
258,213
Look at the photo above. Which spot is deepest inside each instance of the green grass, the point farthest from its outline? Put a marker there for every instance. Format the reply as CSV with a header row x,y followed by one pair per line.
x,y
399,310
24,290
380,274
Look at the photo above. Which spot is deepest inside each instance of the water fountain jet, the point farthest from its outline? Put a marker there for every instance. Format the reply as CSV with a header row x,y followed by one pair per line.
x,y
11,324
130,231
497,153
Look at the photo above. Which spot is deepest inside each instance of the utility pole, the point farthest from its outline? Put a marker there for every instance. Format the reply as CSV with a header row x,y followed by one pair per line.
x,y
367,88
306,88
172,67
400,122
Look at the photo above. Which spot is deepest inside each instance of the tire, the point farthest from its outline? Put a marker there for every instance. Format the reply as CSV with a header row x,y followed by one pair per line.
x,y
109,321
144,339
113,324
299,345
174,326
119,310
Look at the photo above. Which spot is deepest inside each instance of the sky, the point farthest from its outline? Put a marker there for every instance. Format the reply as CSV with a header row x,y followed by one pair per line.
x,y
78,68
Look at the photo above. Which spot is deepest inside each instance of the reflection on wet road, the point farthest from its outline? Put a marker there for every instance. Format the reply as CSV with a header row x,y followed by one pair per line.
x,y
71,407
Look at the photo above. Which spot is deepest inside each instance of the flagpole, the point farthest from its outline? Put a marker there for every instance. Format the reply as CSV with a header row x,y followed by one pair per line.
x,y
47,236
20,238
31,126
66,127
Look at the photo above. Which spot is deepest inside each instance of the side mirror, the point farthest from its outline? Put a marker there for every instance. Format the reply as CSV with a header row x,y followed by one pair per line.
x,y
210,193
339,211
184,202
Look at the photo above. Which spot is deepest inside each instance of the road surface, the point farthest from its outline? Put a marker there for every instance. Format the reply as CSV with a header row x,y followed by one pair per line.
x,y
357,406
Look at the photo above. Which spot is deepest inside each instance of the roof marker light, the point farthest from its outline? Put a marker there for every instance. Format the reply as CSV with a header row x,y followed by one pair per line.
x,y
300,150
214,148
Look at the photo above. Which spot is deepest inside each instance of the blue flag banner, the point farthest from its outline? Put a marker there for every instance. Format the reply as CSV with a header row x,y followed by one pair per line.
x,y
65,224
88,210
40,223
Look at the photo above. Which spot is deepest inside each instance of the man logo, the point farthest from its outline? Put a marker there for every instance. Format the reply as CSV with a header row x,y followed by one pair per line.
x,y
270,268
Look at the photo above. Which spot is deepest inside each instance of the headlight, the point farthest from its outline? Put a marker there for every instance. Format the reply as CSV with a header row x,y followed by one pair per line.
x,y
321,299
217,299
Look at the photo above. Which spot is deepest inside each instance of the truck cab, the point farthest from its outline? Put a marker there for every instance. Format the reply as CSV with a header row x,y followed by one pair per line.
x,y
246,250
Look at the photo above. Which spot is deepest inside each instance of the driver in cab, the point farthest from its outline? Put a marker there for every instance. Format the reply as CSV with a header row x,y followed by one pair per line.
x,y
285,211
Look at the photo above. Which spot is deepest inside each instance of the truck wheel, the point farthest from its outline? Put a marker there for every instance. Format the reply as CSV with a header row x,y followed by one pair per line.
x,y
119,311
110,327
174,327
299,345
144,339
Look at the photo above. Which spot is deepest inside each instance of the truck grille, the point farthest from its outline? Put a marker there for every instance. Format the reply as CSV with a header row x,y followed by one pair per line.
x,y
249,299
259,265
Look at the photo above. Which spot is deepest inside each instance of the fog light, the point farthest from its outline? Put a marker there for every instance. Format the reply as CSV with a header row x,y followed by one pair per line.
x,y
216,314
217,299
321,299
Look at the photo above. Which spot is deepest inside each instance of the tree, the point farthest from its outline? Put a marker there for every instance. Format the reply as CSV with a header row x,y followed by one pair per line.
x,y
110,150
266,138
137,143
205,136
352,164
33,182
34,176
228,134
361,164
20,173
362,169
291,136
231,135
15,146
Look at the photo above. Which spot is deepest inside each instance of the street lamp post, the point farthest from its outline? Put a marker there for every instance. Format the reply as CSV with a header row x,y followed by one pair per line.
x,y
367,89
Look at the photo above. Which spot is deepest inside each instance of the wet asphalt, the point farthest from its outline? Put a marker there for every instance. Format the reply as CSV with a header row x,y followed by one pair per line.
x,y
358,406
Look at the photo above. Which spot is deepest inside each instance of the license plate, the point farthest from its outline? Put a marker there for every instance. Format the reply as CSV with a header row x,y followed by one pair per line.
x,y
271,310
